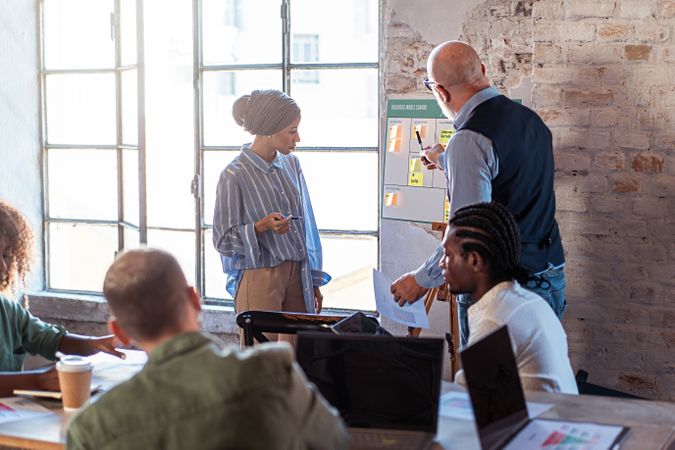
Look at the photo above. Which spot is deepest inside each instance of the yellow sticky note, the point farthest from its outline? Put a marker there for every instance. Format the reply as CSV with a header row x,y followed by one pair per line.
x,y
415,165
394,131
394,145
446,211
416,179
445,136
421,128
391,198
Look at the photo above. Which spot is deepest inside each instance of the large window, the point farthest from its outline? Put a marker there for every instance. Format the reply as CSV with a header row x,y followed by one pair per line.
x,y
137,99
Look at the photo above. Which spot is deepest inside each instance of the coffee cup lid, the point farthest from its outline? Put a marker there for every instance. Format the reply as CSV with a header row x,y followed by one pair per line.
x,y
73,363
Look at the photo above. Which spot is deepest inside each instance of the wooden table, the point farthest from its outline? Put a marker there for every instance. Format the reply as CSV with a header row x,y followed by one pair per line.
x,y
48,432
652,424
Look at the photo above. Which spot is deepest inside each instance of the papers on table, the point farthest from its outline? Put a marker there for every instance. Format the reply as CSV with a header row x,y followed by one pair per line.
x,y
457,405
110,370
412,315
16,408
556,434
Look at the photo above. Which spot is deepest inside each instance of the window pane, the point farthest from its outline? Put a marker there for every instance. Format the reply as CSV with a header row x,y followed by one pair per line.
x,y
132,238
241,31
214,163
129,107
343,188
345,31
81,109
169,114
181,244
130,179
80,254
128,31
221,89
339,107
350,261
213,270
77,34
82,184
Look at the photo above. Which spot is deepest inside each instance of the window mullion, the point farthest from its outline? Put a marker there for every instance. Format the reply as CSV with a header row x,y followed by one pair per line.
x,y
140,83
118,125
286,45
198,180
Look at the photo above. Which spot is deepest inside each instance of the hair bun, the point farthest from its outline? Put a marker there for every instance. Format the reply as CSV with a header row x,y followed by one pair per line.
x,y
240,108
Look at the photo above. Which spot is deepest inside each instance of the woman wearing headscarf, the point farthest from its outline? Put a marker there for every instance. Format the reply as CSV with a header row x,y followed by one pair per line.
x,y
263,225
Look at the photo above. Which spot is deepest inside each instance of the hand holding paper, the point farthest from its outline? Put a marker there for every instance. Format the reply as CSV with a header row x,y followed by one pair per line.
x,y
412,315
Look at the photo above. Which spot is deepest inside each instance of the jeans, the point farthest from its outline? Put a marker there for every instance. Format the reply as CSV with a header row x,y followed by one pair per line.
x,y
554,294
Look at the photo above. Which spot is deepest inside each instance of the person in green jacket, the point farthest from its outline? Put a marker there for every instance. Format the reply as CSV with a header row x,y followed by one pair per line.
x,y
20,331
195,391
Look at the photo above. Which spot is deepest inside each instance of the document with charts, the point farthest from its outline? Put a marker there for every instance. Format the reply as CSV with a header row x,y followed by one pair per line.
x,y
412,315
18,408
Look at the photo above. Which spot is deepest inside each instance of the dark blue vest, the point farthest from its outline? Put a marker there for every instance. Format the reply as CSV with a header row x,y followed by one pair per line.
x,y
524,184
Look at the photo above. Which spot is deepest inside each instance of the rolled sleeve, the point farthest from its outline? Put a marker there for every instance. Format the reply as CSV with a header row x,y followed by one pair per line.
x,y
320,278
430,275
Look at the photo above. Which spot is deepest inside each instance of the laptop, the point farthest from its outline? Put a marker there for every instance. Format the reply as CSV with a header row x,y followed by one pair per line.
x,y
501,413
386,388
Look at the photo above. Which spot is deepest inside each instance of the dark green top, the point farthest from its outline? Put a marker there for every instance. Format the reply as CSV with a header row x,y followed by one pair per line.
x,y
23,333
197,393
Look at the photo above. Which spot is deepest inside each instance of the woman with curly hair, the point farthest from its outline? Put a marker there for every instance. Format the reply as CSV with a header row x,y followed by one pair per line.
x,y
20,331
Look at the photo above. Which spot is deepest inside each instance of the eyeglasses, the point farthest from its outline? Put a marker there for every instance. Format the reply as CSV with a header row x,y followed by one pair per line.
x,y
429,83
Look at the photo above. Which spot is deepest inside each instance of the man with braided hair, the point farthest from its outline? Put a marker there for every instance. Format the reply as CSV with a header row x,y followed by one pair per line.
x,y
481,250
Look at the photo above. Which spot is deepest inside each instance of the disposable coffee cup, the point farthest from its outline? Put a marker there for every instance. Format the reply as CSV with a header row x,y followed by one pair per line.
x,y
75,380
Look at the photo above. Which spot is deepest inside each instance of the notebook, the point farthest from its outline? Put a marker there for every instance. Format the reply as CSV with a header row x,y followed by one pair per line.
x,y
386,388
499,405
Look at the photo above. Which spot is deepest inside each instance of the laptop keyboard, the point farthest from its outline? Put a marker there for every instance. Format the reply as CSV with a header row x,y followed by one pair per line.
x,y
388,440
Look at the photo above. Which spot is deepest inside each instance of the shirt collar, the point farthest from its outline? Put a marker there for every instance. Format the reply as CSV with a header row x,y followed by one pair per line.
x,y
475,100
258,162
178,345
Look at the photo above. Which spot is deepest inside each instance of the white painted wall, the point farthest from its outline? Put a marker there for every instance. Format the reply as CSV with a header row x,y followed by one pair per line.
x,y
20,182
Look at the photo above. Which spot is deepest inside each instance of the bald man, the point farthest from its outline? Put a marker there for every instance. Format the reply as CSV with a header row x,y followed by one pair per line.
x,y
196,392
501,151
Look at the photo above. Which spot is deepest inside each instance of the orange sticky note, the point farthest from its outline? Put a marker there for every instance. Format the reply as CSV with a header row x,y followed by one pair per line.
x,y
391,198
422,129
394,131
394,145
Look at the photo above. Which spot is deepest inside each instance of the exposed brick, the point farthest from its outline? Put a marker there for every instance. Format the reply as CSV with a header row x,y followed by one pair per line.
x,y
666,8
647,162
652,31
587,97
606,203
651,118
614,30
580,138
547,10
555,116
638,52
572,163
609,160
579,76
660,185
597,55
554,31
626,139
546,53
626,184
647,75
668,54
664,140
607,117
584,8
581,184
546,95
636,9
653,207
650,252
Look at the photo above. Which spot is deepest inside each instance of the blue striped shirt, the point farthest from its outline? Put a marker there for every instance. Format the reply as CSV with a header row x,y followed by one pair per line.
x,y
251,188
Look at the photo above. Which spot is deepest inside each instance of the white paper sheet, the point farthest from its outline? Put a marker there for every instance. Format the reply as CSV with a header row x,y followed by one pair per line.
x,y
555,434
412,315
17,408
457,405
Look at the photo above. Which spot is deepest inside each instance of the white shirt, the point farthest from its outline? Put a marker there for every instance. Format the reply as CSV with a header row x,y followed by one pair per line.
x,y
537,337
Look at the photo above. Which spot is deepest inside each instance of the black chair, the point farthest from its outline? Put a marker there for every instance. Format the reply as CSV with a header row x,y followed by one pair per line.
x,y
255,323
587,388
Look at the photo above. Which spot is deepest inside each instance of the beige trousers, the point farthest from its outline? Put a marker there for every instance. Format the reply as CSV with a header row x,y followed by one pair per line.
x,y
276,288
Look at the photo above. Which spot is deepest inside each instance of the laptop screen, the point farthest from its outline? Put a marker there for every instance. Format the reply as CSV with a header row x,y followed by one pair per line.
x,y
376,381
494,387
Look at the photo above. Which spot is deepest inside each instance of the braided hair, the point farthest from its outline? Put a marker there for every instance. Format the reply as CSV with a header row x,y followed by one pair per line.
x,y
494,234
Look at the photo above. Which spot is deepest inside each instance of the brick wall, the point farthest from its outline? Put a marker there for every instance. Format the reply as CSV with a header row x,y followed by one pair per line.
x,y
603,73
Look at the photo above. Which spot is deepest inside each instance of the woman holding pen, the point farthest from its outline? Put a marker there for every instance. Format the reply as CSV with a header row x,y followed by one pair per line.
x,y
263,225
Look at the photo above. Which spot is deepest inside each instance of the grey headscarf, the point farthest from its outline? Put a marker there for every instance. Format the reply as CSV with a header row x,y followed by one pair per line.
x,y
265,112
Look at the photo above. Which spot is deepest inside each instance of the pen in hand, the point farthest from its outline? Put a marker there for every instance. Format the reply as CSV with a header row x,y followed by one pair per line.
x,y
428,164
